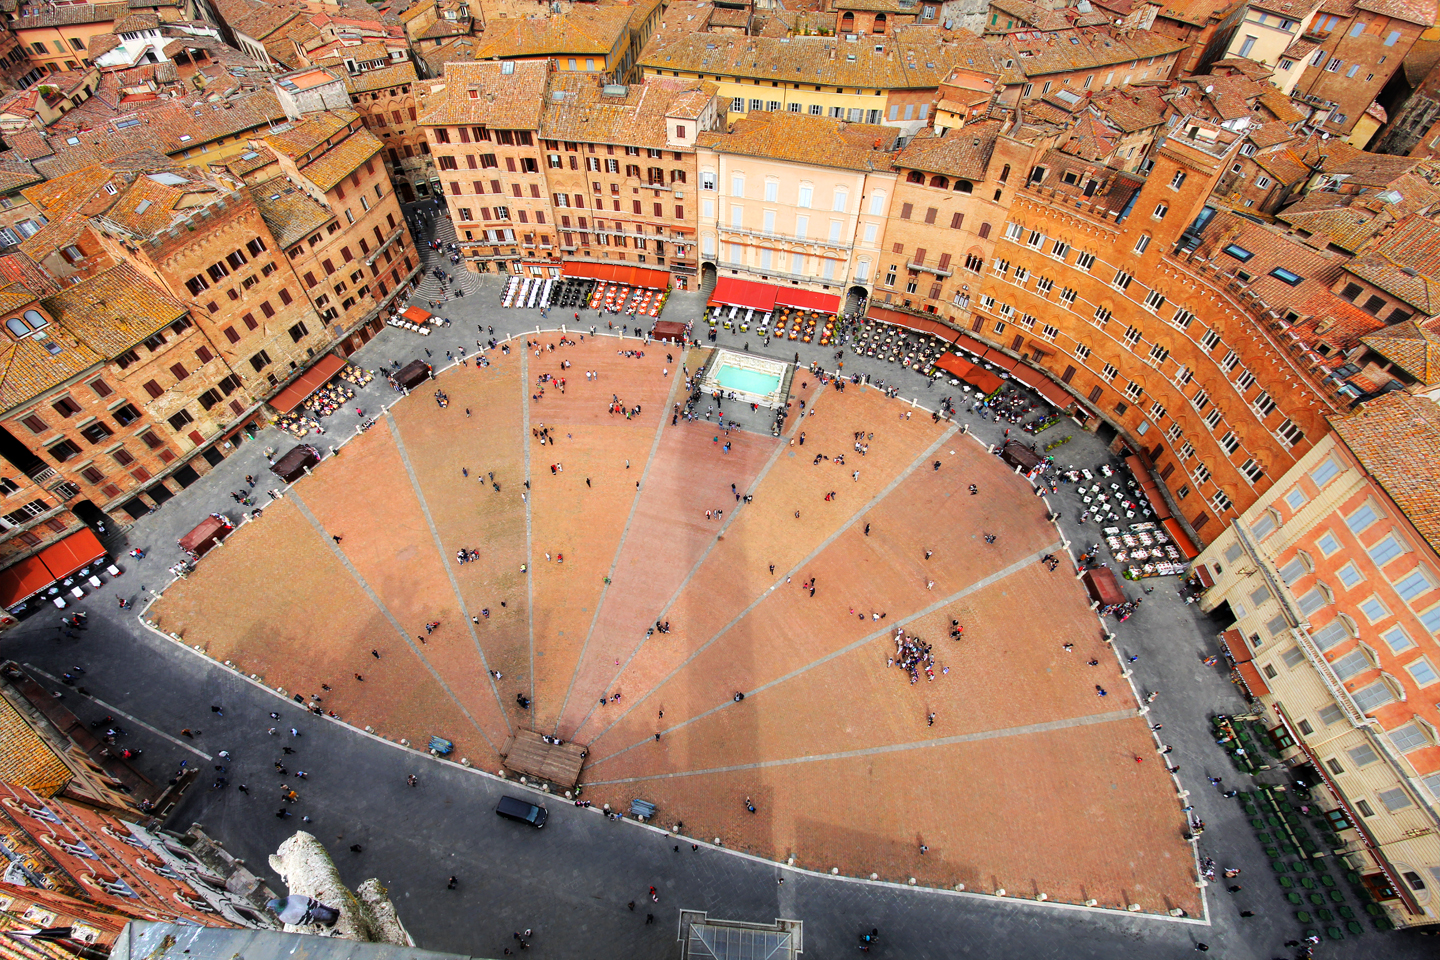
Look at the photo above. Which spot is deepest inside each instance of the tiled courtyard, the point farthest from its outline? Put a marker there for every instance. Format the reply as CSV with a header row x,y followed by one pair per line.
x,y
1027,780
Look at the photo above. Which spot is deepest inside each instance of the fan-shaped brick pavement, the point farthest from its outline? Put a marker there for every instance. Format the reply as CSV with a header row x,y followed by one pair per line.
x,y
1027,780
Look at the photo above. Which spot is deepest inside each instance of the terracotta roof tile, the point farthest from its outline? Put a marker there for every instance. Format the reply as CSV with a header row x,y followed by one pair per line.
x,y
394,76
585,31
1411,11
290,213
916,58
114,310
819,141
26,758
1410,347
963,153
326,169
577,110
481,92
69,14
1396,437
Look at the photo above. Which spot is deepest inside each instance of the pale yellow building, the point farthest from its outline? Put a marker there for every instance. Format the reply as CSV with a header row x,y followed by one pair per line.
x,y
1266,29
1333,581
795,200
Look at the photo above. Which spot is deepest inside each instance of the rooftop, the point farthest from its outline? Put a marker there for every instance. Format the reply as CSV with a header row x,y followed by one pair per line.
x,y
291,213
489,93
798,138
582,31
578,109
114,310
962,153
1390,435
1410,347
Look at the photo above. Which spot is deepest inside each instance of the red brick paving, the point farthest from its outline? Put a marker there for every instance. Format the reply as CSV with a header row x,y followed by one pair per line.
x,y
471,515
276,602
1067,813
668,536
1111,827
389,543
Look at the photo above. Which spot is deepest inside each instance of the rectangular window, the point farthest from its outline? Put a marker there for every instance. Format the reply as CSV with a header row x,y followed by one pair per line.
x,y
1384,550
1329,635
1324,473
1372,698
1414,586
1361,519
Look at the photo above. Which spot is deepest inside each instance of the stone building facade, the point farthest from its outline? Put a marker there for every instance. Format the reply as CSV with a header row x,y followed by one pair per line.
x,y
1332,579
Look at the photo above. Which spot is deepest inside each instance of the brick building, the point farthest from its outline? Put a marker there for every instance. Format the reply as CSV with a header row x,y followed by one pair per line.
x,y
200,299
539,165
1333,583
1088,285
358,257
68,858
57,38
387,100
483,128
951,196
1355,47
628,161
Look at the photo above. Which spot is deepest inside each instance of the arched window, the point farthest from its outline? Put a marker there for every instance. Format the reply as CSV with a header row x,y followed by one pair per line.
x,y
1005,174
17,326
915,176
879,23
847,22
942,182
964,186
35,319
984,231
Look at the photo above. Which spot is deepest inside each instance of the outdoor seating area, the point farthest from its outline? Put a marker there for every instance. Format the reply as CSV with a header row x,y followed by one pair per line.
x,y
1300,839
791,323
415,320
59,574
896,344
329,398
625,299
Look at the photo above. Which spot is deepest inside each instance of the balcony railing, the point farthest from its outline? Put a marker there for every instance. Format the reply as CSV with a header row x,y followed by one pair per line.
x,y
786,238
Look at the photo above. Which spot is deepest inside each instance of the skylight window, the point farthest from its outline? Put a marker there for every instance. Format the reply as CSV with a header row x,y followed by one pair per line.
x,y
143,206
1285,276
1238,252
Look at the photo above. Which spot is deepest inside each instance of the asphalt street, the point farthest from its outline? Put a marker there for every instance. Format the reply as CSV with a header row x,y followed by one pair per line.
x,y
571,882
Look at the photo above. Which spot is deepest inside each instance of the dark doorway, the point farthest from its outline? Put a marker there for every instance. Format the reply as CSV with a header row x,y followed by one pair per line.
x,y
213,457
92,516
186,475
406,194
1106,432
159,493
135,509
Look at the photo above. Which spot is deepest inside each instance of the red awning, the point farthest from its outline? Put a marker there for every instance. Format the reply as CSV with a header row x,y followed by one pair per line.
x,y
983,380
912,322
1207,579
416,315
1103,587
199,539
1181,538
72,553
1000,360
617,273
1027,376
1252,678
1054,393
23,580
950,363
735,292
1235,644
970,343
308,382
808,299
